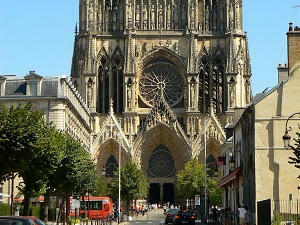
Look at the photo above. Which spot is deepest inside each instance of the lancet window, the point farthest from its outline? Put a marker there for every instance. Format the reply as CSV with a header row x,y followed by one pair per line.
x,y
110,85
204,83
103,86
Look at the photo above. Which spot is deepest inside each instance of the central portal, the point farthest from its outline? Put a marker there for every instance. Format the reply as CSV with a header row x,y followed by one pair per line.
x,y
162,193
161,175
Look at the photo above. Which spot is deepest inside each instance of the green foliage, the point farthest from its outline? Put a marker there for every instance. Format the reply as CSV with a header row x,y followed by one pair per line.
x,y
72,220
276,219
191,182
101,188
45,158
35,211
4,209
134,184
20,128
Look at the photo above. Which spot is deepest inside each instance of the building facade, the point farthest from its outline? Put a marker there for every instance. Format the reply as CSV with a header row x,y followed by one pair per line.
x,y
152,72
267,183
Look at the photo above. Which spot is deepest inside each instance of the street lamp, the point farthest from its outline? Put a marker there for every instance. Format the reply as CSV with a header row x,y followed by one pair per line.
x,y
119,200
286,137
205,173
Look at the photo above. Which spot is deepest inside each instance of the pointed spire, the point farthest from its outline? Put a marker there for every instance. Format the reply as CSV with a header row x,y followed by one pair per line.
x,y
76,30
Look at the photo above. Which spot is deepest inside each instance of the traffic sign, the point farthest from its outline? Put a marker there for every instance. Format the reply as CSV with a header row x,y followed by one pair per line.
x,y
197,199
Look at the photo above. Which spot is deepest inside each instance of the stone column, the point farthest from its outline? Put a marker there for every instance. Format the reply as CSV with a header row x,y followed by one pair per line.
x,y
161,197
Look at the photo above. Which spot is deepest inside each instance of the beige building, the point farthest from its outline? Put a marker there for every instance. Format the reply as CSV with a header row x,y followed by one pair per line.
x,y
151,71
267,183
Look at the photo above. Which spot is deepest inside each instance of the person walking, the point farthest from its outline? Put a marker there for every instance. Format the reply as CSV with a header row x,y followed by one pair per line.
x,y
241,214
247,216
215,214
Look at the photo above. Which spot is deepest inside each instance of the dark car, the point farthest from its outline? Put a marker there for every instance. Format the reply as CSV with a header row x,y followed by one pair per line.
x,y
35,220
170,215
185,217
25,221
10,222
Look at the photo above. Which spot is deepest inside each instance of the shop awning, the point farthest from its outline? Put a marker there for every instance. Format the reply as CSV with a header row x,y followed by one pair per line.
x,y
230,177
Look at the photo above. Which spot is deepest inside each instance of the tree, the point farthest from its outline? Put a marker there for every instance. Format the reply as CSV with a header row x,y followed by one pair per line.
x,y
191,182
76,172
45,158
134,184
21,128
101,188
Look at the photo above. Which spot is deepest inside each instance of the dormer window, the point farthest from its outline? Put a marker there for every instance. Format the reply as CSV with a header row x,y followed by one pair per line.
x,y
2,85
33,84
33,88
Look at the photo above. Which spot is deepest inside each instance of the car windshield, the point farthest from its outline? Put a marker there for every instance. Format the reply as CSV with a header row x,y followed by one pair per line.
x,y
39,222
172,211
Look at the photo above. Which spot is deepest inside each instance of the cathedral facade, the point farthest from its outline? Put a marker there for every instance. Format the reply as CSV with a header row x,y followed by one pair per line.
x,y
161,79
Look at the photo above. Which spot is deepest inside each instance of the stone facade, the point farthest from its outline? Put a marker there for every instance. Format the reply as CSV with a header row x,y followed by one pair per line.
x,y
151,72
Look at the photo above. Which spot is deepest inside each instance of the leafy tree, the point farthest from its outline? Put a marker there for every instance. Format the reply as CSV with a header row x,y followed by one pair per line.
x,y
134,184
44,157
21,128
191,182
101,188
76,172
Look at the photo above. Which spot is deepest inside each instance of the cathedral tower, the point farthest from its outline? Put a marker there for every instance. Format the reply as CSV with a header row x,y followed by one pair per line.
x,y
157,75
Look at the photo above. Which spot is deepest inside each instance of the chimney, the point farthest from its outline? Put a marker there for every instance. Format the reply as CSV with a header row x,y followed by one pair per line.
x,y
283,72
293,42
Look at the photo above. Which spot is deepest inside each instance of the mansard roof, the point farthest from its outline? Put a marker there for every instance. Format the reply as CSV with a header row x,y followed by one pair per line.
x,y
16,85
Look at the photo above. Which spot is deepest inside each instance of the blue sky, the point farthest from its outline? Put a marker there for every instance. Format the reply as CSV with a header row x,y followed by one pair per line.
x,y
38,35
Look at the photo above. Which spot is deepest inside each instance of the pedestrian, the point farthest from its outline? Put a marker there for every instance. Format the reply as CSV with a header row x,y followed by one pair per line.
x,y
215,214
241,214
165,208
247,216
229,216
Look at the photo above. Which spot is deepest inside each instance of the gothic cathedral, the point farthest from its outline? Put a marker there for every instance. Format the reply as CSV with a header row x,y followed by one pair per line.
x,y
162,79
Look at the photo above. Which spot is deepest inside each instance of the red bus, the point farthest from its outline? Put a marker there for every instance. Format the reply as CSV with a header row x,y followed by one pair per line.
x,y
95,207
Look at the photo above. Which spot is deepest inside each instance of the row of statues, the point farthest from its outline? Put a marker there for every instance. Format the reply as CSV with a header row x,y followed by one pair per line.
x,y
175,14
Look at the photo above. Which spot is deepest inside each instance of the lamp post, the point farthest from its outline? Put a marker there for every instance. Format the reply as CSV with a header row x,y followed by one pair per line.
x,y
286,137
119,200
205,172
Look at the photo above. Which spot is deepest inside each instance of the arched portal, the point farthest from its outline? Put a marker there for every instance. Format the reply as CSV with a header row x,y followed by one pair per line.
x,y
161,164
163,155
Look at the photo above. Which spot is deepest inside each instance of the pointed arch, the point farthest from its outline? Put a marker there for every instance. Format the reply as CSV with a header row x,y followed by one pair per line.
x,y
204,84
219,87
111,166
117,82
103,85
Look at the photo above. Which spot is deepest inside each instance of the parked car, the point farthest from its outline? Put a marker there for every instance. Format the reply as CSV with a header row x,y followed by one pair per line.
x,y
10,222
24,220
35,220
185,217
170,215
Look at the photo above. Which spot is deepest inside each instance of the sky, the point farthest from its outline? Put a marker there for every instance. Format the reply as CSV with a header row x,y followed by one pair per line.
x,y
39,35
